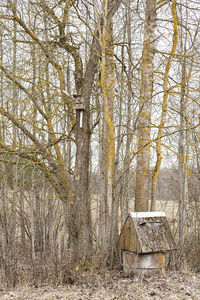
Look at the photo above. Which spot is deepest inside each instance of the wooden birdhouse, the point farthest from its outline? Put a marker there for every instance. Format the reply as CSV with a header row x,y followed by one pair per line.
x,y
78,102
144,239
79,105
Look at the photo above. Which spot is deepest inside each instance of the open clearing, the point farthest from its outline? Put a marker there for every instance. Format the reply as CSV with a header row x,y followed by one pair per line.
x,y
115,285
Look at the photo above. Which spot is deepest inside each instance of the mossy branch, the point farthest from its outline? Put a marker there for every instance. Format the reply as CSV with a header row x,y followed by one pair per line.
x,y
164,106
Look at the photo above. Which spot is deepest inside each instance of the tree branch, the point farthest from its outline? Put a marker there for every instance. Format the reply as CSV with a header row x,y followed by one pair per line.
x,y
8,75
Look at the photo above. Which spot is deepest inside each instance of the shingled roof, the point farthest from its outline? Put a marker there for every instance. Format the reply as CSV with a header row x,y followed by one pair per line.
x,y
146,232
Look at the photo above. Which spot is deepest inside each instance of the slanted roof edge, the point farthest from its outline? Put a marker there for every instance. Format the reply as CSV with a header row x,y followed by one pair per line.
x,y
123,229
147,214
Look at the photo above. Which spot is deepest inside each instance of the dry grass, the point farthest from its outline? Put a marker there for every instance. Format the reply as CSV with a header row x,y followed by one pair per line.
x,y
116,285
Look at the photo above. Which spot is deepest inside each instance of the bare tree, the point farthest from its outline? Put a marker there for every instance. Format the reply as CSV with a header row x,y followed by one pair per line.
x,y
164,106
49,157
142,194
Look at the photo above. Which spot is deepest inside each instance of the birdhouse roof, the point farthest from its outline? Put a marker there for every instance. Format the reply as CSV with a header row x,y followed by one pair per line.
x,y
146,232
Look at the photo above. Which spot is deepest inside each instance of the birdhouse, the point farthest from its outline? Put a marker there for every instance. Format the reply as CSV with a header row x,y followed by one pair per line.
x,y
80,107
78,102
144,239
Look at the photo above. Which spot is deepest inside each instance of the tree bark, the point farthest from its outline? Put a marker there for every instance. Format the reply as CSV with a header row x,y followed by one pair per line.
x,y
142,194
82,223
164,106
108,144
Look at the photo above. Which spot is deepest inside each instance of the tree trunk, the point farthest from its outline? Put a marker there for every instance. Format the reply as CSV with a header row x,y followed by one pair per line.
x,y
164,106
81,230
142,193
126,177
81,222
22,216
108,143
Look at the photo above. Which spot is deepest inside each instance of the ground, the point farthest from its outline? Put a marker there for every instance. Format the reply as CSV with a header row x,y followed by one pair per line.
x,y
115,285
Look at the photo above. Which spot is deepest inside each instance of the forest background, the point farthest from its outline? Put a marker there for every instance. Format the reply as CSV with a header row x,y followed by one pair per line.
x,y
94,96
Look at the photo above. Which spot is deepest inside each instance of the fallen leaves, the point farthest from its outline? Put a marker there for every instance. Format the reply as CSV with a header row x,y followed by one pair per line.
x,y
110,285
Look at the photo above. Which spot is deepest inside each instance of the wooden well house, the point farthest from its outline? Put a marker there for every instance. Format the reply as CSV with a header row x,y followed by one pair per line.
x,y
144,239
